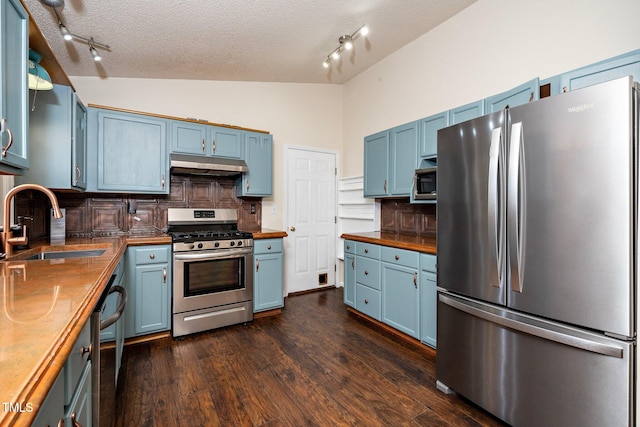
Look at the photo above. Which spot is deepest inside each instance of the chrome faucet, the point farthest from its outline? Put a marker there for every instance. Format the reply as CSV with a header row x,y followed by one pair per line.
x,y
7,236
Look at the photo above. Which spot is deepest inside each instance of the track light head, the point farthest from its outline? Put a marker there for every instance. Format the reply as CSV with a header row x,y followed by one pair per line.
x,y
65,32
346,41
94,53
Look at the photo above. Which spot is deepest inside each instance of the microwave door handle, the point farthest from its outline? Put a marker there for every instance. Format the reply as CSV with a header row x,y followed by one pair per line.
x,y
495,217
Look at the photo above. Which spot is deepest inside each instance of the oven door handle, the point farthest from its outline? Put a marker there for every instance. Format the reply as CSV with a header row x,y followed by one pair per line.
x,y
209,255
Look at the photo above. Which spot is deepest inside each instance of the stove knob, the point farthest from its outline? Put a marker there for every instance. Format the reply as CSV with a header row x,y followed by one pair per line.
x,y
232,243
200,245
239,242
216,244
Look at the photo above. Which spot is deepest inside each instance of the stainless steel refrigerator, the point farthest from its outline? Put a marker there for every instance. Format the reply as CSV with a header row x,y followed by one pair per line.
x,y
537,223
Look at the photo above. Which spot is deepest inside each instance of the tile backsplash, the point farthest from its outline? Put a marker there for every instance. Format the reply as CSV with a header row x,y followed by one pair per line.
x,y
400,216
98,214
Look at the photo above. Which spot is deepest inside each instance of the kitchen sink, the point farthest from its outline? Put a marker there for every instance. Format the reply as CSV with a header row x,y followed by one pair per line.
x,y
67,254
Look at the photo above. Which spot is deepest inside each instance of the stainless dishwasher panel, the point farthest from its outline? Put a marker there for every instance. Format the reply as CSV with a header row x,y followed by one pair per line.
x,y
532,372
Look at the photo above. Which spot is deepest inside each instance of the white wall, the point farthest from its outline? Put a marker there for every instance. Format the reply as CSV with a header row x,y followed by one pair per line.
x,y
296,114
488,48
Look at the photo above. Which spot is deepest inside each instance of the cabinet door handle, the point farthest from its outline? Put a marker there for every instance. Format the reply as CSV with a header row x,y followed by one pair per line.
x,y
78,174
203,147
366,301
213,145
353,263
366,273
247,185
163,182
84,350
415,280
5,128
257,264
164,275
74,422
60,423
385,185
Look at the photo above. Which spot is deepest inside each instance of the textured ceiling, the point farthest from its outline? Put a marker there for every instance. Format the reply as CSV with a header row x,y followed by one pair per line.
x,y
235,40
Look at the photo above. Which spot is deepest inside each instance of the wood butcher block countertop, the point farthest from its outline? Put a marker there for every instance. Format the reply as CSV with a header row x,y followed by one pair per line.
x,y
45,305
424,244
266,233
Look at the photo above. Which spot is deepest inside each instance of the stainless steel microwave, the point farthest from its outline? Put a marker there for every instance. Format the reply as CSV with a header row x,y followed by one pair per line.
x,y
424,184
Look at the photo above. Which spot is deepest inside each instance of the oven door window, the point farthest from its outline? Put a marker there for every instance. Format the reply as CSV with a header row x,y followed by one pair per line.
x,y
211,276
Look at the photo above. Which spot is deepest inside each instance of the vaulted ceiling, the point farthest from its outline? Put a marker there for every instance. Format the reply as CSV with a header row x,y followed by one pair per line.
x,y
235,40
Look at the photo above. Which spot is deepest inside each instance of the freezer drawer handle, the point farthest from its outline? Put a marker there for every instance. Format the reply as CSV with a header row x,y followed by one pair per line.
x,y
580,343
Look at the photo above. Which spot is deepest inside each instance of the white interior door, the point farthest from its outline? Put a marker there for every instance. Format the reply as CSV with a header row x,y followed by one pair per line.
x,y
311,214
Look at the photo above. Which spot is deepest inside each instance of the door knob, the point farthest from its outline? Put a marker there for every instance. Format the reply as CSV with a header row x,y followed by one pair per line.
x,y
292,228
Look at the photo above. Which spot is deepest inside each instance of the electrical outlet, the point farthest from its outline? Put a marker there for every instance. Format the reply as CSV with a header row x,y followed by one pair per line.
x,y
273,210
252,209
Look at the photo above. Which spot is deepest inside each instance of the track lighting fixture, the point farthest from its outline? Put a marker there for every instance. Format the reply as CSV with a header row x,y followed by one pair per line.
x,y
346,43
68,36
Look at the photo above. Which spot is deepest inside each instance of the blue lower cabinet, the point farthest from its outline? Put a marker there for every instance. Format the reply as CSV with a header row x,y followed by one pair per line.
x,y
428,299
368,301
148,282
268,285
401,290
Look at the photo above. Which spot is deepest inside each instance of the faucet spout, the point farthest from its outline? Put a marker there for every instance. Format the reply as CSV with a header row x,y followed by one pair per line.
x,y
7,236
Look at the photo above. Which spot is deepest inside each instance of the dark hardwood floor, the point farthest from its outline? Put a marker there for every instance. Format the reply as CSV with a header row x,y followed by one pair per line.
x,y
313,365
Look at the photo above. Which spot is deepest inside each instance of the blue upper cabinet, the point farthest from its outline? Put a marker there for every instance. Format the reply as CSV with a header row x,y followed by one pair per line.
x,y
189,138
206,140
390,158
429,127
376,165
58,140
258,182
227,142
466,112
616,67
403,158
131,152
14,27
526,92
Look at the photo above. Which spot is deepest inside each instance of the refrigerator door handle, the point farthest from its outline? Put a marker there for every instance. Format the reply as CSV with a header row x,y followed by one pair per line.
x,y
495,216
526,328
516,186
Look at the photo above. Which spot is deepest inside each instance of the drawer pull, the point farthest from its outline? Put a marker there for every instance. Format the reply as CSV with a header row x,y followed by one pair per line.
x,y
366,251
366,301
152,256
366,273
269,247
348,247
397,257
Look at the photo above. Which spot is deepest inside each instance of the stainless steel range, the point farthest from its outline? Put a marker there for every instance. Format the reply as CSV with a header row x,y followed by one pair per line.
x,y
212,270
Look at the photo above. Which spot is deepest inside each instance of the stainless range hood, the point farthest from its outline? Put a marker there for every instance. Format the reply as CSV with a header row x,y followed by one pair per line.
x,y
202,165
